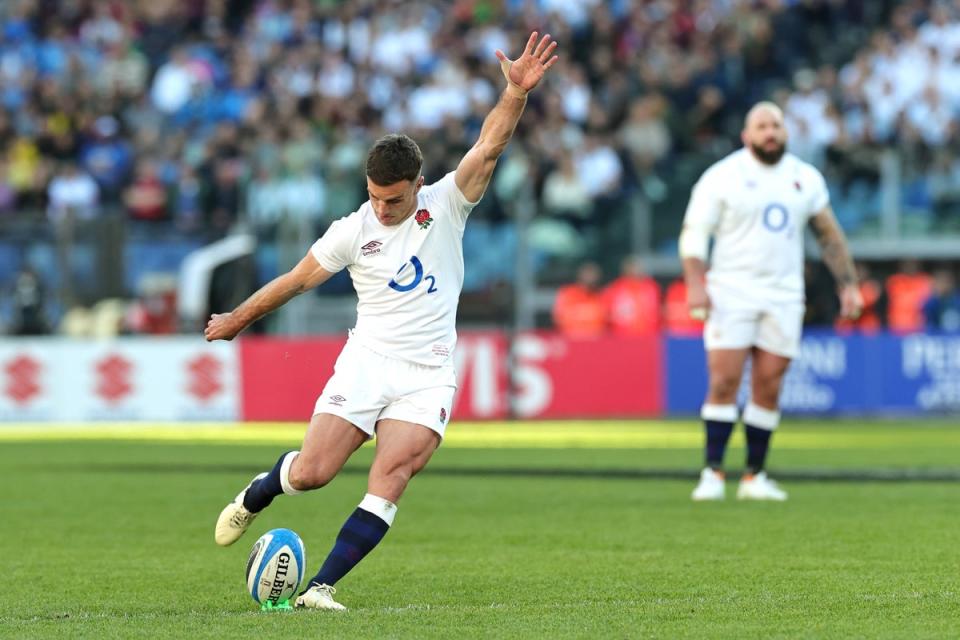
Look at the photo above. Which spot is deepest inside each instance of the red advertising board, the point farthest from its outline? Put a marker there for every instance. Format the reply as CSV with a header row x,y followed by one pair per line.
x,y
553,376
609,376
281,378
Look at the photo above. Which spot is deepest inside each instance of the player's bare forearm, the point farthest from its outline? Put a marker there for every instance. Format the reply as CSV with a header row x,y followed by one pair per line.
x,y
270,297
833,247
522,75
476,168
501,122
695,277
694,271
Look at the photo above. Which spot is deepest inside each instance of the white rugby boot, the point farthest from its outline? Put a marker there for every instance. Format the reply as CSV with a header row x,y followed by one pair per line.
x,y
319,596
710,487
234,520
760,487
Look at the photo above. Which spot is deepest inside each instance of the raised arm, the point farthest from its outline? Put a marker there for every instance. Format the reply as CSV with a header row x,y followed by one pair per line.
x,y
836,255
523,74
273,295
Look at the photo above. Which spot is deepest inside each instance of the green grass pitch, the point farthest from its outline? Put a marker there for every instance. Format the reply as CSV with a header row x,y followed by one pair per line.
x,y
550,530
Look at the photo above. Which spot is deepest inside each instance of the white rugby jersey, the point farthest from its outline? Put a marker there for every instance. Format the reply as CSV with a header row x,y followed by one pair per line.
x,y
757,215
408,277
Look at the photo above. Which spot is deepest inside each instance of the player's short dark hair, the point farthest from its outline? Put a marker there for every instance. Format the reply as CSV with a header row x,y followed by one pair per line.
x,y
394,158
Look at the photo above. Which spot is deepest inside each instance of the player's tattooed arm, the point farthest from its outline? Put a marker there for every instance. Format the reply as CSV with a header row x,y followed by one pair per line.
x,y
522,75
833,246
836,255
271,296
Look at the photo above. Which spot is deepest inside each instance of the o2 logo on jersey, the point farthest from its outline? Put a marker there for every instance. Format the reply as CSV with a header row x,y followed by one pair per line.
x,y
417,277
776,217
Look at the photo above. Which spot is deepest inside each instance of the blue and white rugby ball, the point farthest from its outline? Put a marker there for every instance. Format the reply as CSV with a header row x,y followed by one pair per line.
x,y
276,566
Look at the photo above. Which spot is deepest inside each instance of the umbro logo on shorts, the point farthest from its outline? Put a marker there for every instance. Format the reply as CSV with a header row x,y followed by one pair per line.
x,y
371,247
337,400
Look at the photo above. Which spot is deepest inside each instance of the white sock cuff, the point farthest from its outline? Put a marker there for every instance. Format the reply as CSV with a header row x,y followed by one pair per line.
x,y
761,418
285,474
719,412
383,509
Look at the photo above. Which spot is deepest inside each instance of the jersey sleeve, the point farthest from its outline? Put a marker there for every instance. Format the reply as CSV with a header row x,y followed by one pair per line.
x,y
706,200
334,250
447,194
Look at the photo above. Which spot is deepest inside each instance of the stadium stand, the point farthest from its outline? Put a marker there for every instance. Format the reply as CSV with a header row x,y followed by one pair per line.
x,y
134,132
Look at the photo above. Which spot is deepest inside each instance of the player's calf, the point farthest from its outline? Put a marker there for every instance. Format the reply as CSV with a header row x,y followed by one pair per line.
x,y
240,513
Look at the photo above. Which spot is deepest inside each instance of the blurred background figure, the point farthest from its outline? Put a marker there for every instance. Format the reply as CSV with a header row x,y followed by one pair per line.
x,y
29,317
941,311
907,290
633,301
580,310
676,314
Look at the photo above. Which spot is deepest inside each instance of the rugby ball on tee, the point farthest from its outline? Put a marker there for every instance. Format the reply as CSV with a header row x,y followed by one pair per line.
x,y
276,567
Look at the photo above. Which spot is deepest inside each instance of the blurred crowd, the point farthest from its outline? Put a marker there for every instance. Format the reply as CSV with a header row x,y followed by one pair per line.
x,y
902,88
190,117
910,299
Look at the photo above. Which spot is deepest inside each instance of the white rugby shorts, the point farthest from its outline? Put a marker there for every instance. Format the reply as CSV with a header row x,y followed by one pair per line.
x,y
367,386
738,321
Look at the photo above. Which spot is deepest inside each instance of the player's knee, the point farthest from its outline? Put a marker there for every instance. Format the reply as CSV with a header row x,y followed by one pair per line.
x,y
723,388
766,395
306,477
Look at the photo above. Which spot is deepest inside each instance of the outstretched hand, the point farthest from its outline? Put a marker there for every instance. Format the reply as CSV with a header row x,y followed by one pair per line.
x,y
221,326
525,72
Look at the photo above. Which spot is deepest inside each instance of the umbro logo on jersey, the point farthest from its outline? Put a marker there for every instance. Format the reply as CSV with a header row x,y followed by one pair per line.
x,y
337,400
371,247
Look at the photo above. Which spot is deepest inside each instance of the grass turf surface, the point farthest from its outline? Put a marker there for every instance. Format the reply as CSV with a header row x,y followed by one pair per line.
x,y
112,537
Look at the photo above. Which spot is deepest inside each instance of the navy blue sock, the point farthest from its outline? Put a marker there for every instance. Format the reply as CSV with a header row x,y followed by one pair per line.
x,y
360,534
262,492
758,441
718,434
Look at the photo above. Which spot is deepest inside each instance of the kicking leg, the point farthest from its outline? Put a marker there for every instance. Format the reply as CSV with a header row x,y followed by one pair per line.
x,y
403,449
329,442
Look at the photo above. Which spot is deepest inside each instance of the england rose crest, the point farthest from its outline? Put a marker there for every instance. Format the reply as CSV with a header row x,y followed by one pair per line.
x,y
423,218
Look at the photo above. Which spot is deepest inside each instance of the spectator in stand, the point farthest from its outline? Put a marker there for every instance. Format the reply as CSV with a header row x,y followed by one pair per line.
x,y
907,290
72,191
146,198
29,318
107,157
565,195
633,301
941,311
579,310
676,314
874,305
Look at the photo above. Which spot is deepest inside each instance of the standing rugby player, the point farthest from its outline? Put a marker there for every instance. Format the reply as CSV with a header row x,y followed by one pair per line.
x,y
395,378
755,205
